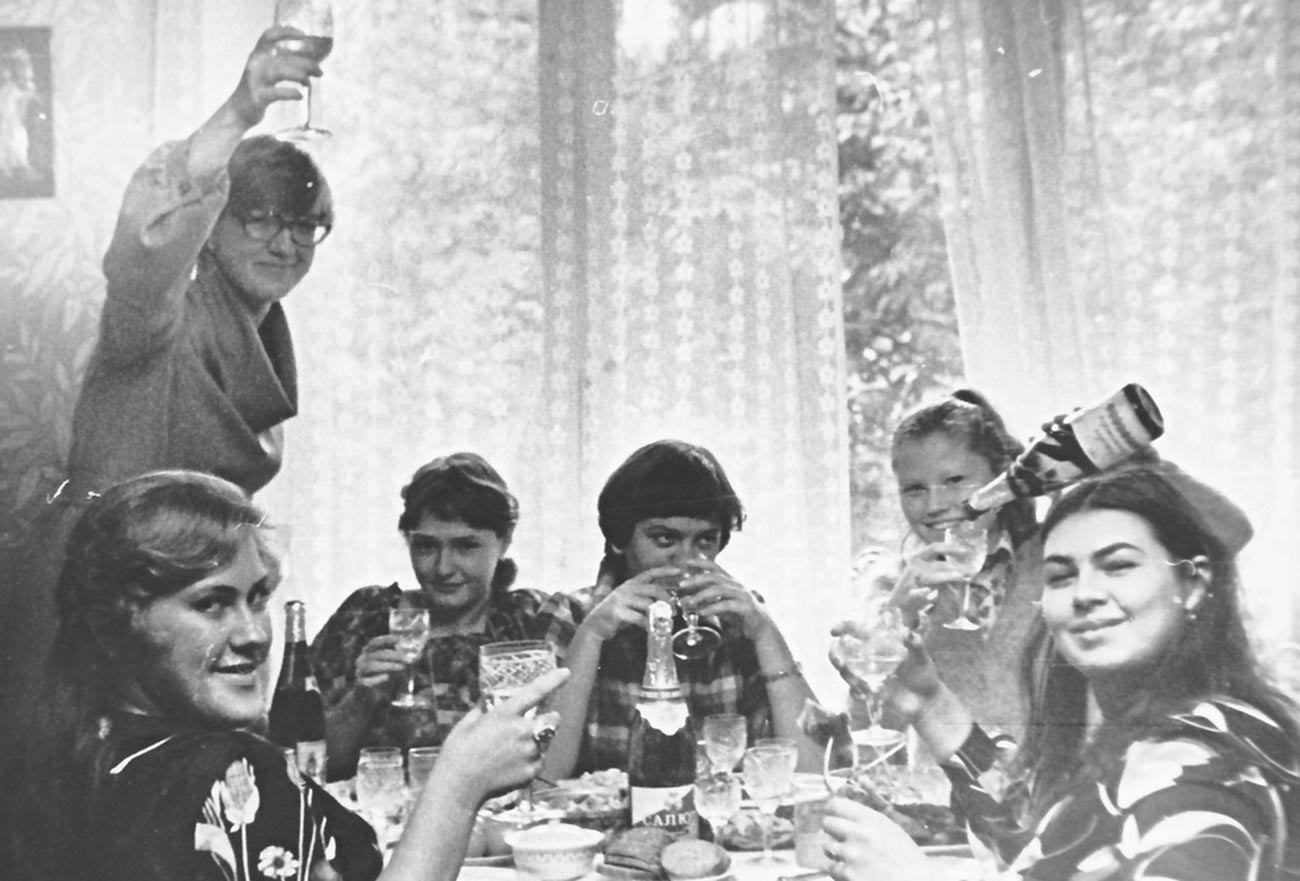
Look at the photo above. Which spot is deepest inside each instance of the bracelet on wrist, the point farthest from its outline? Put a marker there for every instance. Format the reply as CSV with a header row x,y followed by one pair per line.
x,y
784,673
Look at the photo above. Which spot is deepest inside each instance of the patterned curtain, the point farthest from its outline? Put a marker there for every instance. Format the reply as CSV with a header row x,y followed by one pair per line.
x,y
1116,210
653,255
691,274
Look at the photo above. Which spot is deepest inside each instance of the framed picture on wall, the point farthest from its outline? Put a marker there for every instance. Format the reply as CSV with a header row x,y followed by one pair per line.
x,y
26,114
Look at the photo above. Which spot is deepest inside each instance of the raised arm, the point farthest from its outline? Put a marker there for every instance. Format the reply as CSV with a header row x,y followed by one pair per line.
x,y
174,200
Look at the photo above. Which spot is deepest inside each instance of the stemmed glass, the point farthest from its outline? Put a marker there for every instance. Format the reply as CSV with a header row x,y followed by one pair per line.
x,y
315,18
506,667
970,543
725,736
872,649
411,627
718,797
381,787
769,776
694,640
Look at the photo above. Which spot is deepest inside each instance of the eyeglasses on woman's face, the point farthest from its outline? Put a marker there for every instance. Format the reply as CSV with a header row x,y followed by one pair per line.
x,y
263,226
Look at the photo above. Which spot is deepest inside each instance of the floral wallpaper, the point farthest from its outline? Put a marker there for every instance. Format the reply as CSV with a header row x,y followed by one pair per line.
x,y
50,280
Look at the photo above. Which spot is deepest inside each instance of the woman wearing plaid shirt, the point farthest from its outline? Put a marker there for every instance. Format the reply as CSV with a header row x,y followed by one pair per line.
x,y
666,513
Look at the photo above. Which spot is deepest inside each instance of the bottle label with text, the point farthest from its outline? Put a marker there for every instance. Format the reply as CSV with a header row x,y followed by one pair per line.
x,y
669,807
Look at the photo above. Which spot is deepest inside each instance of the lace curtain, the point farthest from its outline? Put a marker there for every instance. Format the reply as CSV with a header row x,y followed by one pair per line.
x,y
652,254
1120,196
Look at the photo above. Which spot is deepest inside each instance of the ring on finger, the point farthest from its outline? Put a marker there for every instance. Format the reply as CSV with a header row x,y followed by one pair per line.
x,y
543,731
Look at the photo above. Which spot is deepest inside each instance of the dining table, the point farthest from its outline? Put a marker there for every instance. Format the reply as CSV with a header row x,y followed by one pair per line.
x,y
952,862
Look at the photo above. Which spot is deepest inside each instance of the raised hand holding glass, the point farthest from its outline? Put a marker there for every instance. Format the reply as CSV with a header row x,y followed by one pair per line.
x,y
315,19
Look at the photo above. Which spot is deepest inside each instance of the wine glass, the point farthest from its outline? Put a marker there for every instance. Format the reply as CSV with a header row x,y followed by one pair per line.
x,y
769,777
381,787
970,543
695,640
718,797
506,667
411,627
871,649
315,18
725,736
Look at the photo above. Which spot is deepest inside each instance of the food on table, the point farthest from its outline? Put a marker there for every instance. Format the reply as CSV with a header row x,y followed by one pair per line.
x,y
926,824
635,853
690,859
745,831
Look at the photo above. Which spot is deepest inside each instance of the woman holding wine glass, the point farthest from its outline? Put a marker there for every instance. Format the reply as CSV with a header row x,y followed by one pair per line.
x,y
1156,749
194,366
967,586
142,760
457,519
666,514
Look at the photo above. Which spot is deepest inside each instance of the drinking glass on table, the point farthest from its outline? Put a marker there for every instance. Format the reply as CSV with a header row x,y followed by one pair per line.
x,y
769,777
315,18
718,796
411,627
381,787
506,667
725,737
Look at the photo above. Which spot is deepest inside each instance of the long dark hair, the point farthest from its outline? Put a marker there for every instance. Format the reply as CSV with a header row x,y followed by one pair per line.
x,y
967,417
143,539
1212,655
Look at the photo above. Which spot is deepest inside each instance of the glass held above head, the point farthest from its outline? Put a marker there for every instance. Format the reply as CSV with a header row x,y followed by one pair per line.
x,y
315,20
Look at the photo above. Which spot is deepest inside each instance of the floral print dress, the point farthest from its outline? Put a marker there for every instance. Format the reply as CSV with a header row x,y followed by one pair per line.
x,y
222,806
1209,800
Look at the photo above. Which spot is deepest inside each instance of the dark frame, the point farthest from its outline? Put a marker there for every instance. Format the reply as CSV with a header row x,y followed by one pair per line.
x,y
26,114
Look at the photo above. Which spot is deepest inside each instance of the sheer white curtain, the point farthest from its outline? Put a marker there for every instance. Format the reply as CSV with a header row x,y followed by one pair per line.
x,y
564,231
1120,196
692,289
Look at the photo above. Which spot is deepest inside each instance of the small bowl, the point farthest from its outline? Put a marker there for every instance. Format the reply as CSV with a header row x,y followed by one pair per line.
x,y
555,851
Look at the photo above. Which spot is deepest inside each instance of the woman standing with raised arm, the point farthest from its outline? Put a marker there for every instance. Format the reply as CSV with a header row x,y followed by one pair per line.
x,y
194,366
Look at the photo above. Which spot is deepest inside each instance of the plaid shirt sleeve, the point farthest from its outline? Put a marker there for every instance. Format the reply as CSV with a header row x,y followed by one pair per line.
x,y
558,618
334,652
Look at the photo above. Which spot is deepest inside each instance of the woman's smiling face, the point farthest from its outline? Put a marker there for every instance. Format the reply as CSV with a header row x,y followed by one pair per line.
x,y
935,474
203,650
1113,599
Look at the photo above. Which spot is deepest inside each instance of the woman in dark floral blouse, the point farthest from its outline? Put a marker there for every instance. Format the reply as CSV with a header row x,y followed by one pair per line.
x,y
1155,748
141,761
458,517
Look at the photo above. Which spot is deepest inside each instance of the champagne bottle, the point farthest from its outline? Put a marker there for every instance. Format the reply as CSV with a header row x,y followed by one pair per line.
x,y
297,713
661,748
1074,446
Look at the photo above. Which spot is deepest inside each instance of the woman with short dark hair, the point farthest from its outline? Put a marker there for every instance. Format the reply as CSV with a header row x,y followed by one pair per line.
x,y
458,518
666,513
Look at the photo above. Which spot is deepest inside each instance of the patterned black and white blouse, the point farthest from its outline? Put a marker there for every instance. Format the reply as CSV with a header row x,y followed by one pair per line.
x,y
1207,800
208,805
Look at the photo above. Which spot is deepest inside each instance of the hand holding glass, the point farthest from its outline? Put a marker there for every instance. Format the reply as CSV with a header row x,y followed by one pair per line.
x,y
315,19
769,777
872,648
411,627
970,543
695,640
506,667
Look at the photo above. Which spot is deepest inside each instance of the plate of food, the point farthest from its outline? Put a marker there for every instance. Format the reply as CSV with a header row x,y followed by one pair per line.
x,y
596,800
745,831
648,853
